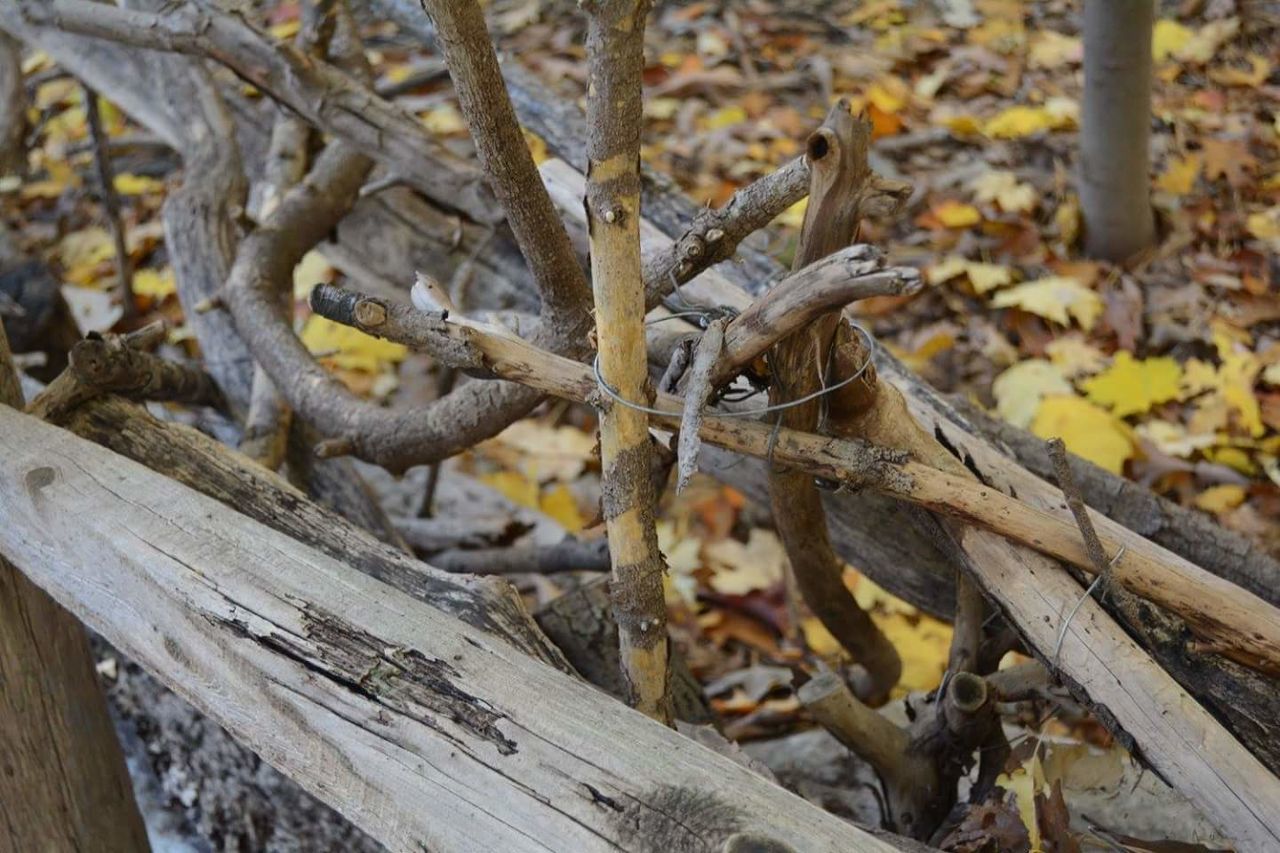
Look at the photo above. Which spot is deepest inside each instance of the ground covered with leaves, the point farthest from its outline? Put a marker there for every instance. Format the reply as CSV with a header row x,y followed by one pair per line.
x,y
1167,371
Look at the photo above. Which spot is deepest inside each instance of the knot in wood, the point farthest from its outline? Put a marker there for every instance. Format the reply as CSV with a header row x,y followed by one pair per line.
x,y
370,313
715,235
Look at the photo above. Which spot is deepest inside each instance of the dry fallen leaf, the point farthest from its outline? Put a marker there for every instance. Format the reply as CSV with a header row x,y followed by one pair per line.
x,y
1088,431
1056,298
1019,390
1130,387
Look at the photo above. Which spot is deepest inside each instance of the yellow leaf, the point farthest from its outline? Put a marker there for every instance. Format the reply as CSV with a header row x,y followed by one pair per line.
x,y
1051,49
548,452
1230,75
987,277
1131,387
726,117
354,349
819,639
922,643
1003,188
1266,226
1236,376
444,120
1074,356
36,61
961,124
127,184
287,30
1205,42
954,214
559,503
83,253
1017,122
1168,38
515,487
1056,298
156,284
888,95
793,216
1088,431
662,108
1221,498
1019,390
1179,177
313,269
946,270
1067,219
1234,458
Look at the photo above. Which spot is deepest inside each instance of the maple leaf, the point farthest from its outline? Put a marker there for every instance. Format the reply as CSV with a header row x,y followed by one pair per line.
x,y
1179,176
351,348
1056,298
1019,390
1228,158
1017,122
1130,387
1167,38
1088,431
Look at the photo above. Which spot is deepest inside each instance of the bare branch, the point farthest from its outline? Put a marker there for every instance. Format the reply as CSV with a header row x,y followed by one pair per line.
x,y
326,96
542,238
110,199
571,555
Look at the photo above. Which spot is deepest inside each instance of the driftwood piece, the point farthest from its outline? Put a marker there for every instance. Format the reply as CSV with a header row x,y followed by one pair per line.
x,y
396,701
192,458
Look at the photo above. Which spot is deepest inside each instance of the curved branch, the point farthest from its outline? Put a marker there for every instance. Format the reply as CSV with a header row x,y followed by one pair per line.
x,y
799,299
332,100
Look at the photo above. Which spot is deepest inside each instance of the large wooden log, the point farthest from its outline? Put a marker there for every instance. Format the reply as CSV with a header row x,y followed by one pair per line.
x,y
423,731
63,782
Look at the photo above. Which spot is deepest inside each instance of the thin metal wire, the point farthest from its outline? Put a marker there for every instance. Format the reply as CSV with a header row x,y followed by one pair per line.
x,y
746,413
1066,623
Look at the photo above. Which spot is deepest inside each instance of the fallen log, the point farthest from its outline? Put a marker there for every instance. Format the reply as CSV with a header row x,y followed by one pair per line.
x,y
410,719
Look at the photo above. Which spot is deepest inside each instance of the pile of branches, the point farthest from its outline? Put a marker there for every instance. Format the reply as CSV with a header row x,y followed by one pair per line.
x,y
1175,645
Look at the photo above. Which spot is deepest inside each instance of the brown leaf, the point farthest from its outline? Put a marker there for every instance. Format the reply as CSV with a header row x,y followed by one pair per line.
x,y
991,826
1230,159
1055,822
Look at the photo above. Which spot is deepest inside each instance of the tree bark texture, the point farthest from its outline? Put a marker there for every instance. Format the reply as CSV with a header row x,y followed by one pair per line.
x,y
615,60
1116,128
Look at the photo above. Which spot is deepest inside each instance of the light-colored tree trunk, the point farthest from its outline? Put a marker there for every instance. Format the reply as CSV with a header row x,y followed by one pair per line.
x,y
615,50
1115,128
63,783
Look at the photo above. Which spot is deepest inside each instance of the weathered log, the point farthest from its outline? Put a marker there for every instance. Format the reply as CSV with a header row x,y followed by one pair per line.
x,y
193,458
64,785
420,729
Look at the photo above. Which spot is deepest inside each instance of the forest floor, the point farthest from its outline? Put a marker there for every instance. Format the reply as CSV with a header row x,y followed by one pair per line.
x,y
1167,372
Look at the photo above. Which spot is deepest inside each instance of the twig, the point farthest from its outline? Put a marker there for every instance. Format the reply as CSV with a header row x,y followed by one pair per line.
x,y
697,391
110,199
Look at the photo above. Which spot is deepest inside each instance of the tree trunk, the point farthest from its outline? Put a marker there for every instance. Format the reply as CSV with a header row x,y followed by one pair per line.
x,y
1115,128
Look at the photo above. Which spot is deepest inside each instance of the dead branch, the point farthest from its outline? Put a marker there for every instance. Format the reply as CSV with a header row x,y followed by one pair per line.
x,y
110,199
615,60
571,555
473,66
839,184
918,768
792,304
698,389
200,462
1240,625
330,99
